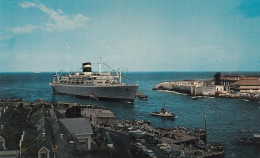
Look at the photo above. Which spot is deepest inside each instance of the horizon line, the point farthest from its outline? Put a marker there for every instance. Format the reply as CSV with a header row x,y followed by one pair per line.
x,y
137,71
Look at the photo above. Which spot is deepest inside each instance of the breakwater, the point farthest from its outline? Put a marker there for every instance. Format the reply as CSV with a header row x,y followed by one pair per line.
x,y
192,87
179,86
205,88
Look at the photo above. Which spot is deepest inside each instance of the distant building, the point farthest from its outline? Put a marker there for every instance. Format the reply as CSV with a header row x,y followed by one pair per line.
x,y
227,80
98,116
208,90
220,89
247,85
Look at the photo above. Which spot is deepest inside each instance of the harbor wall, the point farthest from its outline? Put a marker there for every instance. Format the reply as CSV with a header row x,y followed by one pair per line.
x,y
194,87
197,88
178,86
181,88
203,90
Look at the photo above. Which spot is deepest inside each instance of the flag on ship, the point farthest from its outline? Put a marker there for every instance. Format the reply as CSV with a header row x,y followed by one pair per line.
x,y
93,96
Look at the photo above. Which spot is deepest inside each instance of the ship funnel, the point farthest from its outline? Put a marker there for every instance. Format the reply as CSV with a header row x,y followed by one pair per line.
x,y
86,67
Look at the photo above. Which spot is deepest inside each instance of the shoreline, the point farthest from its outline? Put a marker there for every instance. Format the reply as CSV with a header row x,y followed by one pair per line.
x,y
229,96
185,90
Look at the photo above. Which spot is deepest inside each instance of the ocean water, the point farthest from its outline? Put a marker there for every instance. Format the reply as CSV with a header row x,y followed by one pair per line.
x,y
224,116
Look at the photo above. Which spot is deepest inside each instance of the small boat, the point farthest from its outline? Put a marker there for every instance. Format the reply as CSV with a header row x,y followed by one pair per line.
x,y
163,113
141,96
245,141
252,140
194,98
147,121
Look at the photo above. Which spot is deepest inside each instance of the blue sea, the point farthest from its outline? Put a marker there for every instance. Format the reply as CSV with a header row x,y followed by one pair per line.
x,y
224,116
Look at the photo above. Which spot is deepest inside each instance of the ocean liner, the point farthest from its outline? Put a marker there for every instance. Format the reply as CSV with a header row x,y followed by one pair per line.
x,y
98,85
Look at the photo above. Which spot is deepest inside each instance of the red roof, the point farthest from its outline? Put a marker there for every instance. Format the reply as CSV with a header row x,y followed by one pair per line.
x,y
248,81
232,77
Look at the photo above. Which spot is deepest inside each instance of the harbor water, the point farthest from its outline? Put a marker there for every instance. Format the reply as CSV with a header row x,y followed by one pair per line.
x,y
224,116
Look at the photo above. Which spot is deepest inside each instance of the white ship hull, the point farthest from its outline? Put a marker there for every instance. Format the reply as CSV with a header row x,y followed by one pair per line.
x,y
117,92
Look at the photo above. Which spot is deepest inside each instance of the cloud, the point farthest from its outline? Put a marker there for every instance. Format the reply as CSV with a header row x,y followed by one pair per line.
x,y
24,29
27,4
5,37
60,21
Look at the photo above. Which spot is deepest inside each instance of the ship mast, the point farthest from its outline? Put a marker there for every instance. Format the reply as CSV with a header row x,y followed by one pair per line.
x,y
120,78
99,64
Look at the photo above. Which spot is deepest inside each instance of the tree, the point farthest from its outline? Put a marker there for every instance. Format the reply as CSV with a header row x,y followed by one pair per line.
x,y
217,77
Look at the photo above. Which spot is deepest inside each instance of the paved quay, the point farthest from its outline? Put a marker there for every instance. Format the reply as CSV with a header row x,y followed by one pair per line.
x,y
175,142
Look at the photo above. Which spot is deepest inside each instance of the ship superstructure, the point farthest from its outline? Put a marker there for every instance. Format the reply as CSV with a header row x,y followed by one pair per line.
x,y
101,85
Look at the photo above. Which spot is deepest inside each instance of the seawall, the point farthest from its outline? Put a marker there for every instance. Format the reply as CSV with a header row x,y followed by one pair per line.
x,y
177,86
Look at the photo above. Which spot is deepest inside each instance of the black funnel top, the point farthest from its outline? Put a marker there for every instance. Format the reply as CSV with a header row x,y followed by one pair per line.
x,y
86,67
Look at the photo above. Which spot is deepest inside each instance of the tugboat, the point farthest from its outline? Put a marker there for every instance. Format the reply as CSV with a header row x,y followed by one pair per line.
x,y
141,96
247,137
163,113
245,141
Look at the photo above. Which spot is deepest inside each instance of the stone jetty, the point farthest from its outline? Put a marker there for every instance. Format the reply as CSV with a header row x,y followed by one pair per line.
x,y
192,87
206,88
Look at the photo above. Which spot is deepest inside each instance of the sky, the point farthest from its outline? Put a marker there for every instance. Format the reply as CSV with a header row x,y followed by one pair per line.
x,y
133,35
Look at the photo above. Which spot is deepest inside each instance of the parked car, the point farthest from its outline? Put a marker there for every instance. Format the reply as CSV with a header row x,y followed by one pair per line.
x,y
149,154
151,139
116,126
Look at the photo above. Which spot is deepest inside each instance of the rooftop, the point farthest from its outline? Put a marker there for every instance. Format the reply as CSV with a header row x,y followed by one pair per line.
x,y
248,81
80,125
232,77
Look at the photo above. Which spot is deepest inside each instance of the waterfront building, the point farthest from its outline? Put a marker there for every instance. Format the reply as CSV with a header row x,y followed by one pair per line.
x,y
227,80
207,90
220,89
98,116
247,85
